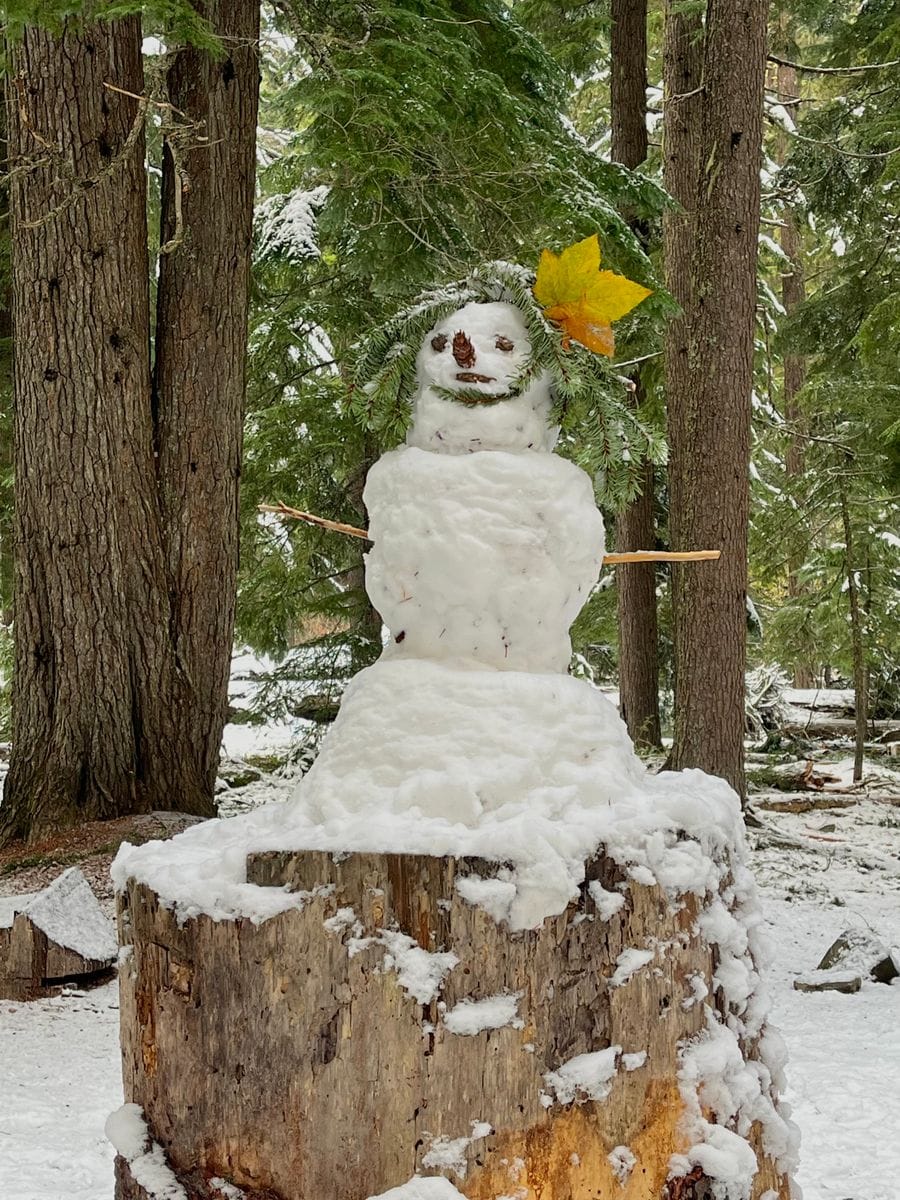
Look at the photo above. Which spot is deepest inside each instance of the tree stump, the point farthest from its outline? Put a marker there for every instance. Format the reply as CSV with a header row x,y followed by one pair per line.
x,y
54,937
321,1055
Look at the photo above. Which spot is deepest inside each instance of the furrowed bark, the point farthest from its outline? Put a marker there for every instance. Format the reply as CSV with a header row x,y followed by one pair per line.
x,y
94,688
635,526
199,374
714,77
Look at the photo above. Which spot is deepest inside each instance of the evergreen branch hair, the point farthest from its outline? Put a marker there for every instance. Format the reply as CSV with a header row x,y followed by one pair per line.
x,y
600,428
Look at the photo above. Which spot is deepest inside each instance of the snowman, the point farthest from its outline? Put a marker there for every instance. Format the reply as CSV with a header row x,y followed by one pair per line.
x,y
485,546
485,543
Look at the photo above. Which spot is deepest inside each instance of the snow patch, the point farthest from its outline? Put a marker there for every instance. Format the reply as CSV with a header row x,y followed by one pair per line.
x,y
584,1077
420,972
475,1016
127,1130
608,903
495,895
449,1154
228,1190
286,224
622,1162
628,963
422,1188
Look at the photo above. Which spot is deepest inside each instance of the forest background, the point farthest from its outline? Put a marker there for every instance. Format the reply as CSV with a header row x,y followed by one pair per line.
x,y
400,144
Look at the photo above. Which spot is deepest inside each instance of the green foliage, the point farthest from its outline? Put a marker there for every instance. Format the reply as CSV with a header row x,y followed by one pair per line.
x,y
603,432
178,20
428,137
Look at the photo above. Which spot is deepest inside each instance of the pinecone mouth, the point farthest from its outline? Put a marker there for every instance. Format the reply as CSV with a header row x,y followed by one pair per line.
x,y
474,377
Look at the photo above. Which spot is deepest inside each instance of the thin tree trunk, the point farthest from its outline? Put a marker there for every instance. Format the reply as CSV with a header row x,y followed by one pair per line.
x,y
6,508
201,341
366,646
94,690
793,294
712,161
857,638
635,526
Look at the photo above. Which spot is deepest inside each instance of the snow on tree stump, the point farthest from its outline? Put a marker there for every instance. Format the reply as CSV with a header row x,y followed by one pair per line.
x,y
390,1026
54,937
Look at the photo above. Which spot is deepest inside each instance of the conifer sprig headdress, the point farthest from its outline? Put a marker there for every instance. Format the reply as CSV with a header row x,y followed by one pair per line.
x,y
599,427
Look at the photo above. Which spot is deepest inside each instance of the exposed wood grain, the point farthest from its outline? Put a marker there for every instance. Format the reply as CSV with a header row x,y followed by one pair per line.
x,y
272,1057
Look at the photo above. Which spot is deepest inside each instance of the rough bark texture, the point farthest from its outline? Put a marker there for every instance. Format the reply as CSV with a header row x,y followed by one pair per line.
x,y
126,494
270,1056
712,161
208,174
94,689
6,531
635,526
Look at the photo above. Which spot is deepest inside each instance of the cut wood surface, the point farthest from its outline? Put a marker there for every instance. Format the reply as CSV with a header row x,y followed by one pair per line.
x,y
303,1058
632,556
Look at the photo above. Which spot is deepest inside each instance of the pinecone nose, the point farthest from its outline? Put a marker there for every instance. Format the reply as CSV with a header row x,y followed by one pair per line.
x,y
463,350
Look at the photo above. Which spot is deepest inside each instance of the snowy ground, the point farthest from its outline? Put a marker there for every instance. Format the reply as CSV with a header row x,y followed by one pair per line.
x,y
59,1075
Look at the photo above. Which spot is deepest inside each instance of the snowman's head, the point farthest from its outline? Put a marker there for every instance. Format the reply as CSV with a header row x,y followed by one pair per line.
x,y
477,353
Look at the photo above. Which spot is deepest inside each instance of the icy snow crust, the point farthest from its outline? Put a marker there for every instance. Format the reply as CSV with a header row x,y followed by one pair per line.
x,y
468,738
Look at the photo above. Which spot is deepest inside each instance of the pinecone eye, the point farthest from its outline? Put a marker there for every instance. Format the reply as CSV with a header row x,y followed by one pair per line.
x,y
439,343
503,343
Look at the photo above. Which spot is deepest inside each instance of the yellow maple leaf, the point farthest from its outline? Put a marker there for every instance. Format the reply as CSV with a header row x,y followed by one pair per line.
x,y
583,300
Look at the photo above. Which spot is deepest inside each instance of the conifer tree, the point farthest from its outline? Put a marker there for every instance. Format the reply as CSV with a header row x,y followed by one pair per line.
x,y
126,505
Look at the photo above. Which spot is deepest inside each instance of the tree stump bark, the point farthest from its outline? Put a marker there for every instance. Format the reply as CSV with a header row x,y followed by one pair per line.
x,y
321,1055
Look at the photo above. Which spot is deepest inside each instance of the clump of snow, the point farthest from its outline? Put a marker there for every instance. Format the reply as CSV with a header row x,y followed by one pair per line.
x,y
715,1079
449,1154
475,1016
228,1190
584,1077
628,962
608,903
421,1187
632,1062
127,1130
494,894
420,972
622,1162
286,224
68,912
343,919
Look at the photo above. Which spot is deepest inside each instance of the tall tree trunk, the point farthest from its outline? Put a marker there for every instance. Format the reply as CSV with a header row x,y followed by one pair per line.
x,y
6,508
712,162
94,689
857,635
635,529
793,293
201,341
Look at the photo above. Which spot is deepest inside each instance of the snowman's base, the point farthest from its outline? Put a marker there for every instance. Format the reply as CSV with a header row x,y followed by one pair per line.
x,y
320,1055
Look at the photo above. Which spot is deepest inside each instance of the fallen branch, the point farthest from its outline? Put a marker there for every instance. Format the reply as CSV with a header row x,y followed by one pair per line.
x,y
632,556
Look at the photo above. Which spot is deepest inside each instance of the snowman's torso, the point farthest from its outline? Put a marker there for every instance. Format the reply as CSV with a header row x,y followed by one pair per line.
x,y
485,556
